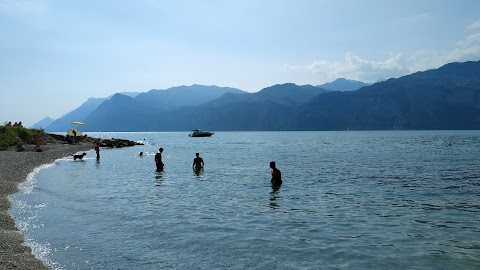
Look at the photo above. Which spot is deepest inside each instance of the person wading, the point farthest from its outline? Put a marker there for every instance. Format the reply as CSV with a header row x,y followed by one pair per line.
x,y
198,162
158,160
276,174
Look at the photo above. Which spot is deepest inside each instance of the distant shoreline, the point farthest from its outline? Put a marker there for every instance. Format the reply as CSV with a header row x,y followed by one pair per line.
x,y
14,169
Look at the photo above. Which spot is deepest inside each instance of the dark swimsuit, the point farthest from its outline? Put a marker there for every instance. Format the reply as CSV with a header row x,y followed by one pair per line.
x,y
277,177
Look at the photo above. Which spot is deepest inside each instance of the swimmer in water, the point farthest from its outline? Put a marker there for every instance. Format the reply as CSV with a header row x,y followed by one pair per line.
x,y
276,174
198,162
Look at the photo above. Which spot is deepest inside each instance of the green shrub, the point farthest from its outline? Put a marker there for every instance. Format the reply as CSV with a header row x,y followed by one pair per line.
x,y
26,135
3,145
12,136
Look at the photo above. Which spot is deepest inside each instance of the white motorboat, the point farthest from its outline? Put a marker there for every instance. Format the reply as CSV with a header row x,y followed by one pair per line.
x,y
200,133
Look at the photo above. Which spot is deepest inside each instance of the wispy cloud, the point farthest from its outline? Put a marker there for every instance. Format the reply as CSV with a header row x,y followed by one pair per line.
x,y
467,49
395,65
355,67
474,25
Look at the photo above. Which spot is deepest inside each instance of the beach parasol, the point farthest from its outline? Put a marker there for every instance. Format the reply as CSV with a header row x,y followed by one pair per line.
x,y
76,132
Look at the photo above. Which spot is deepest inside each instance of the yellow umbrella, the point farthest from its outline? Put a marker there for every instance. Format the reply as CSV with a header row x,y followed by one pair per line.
x,y
79,123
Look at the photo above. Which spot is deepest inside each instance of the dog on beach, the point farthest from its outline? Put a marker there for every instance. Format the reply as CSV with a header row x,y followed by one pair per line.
x,y
75,157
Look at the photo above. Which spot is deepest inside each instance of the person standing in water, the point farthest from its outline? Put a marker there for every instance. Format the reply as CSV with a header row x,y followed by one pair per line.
x,y
276,174
198,162
158,160
97,150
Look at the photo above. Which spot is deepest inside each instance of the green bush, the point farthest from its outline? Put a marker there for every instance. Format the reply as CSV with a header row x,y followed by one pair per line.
x,y
26,135
12,136
3,145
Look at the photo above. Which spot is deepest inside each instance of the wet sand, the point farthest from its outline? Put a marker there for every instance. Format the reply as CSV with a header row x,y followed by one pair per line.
x,y
14,168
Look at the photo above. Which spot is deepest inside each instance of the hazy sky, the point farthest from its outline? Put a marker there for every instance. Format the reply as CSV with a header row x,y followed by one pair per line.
x,y
56,54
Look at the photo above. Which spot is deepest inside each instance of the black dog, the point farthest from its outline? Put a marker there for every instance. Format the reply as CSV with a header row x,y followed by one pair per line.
x,y
79,156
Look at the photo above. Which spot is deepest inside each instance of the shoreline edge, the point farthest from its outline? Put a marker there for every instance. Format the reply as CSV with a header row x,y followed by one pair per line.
x,y
14,169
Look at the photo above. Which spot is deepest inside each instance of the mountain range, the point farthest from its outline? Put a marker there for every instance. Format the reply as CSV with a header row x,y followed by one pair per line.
x,y
443,98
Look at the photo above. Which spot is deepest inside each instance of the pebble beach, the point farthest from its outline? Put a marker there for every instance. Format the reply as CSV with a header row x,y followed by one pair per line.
x,y
14,168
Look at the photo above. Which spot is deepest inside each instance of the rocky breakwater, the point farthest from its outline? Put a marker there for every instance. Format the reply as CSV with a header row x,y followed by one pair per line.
x,y
109,143
117,143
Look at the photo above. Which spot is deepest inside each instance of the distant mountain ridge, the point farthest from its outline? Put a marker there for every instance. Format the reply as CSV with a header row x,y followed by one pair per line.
x,y
43,123
130,94
287,93
64,123
443,98
342,84
190,96
96,109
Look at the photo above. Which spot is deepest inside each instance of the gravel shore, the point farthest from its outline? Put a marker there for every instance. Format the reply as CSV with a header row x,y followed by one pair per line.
x,y
14,168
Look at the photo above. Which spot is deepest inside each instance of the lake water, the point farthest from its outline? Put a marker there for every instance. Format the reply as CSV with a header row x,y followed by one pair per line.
x,y
349,200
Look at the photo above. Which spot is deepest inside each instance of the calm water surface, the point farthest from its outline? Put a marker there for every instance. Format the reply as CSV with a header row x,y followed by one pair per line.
x,y
349,200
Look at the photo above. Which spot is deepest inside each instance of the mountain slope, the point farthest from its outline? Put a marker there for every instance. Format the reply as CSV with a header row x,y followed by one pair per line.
x,y
119,113
182,96
287,94
43,123
445,98
342,84
79,114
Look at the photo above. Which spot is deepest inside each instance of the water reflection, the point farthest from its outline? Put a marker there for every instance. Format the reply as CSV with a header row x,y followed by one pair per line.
x,y
273,197
158,178
198,172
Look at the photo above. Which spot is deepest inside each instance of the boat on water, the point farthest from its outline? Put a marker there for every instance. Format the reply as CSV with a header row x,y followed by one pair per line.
x,y
200,133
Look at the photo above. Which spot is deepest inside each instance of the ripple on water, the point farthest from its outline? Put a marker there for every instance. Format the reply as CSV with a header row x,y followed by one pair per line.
x,y
355,200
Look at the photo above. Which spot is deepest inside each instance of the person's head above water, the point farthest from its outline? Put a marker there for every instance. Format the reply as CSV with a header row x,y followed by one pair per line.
x,y
197,154
161,149
272,164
